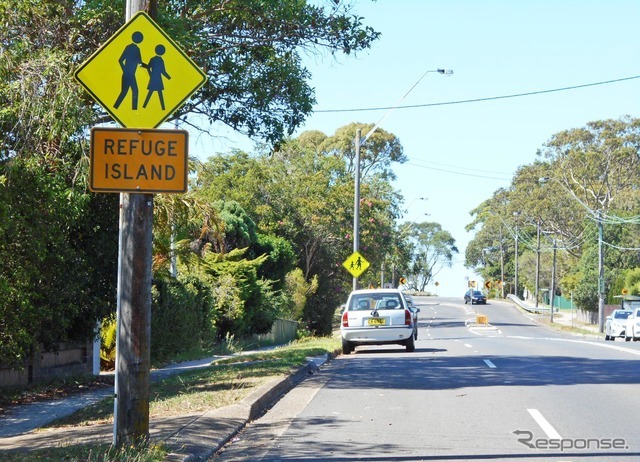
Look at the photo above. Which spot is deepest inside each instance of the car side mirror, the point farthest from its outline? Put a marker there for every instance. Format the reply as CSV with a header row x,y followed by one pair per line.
x,y
417,310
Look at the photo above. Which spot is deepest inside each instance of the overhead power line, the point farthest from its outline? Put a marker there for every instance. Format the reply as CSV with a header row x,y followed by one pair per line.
x,y
464,173
477,100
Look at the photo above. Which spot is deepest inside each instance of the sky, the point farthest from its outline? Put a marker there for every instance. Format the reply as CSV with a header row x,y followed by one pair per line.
x,y
461,151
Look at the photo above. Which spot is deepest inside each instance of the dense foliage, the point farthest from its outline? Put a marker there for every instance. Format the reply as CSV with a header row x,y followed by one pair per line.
x,y
59,242
584,178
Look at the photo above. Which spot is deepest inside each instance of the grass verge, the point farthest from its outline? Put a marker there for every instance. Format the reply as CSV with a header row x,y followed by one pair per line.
x,y
227,381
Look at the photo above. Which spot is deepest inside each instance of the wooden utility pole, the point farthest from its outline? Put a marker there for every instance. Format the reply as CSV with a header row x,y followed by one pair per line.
x,y
131,407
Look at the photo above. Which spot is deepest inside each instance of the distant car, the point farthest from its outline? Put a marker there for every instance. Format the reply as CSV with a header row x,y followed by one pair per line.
x,y
478,297
414,310
616,324
632,327
377,317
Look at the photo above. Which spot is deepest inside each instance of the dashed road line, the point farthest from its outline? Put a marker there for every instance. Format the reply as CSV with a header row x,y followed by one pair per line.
x,y
544,424
490,364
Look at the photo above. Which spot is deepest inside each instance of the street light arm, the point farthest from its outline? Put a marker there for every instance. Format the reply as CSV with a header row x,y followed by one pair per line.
x,y
395,106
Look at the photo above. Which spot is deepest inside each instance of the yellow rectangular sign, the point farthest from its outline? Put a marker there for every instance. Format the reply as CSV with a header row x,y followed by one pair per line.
x,y
139,161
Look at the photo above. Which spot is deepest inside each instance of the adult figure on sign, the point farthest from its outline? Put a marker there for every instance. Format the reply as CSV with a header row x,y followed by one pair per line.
x,y
129,61
156,72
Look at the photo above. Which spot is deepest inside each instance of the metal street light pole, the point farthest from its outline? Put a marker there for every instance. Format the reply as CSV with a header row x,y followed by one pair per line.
x,y
537,262
501,264
515,282
600,275
360,140
356,203
552,295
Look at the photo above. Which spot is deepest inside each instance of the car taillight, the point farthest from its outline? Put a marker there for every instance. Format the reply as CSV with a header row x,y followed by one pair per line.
x,y
407,318
345,319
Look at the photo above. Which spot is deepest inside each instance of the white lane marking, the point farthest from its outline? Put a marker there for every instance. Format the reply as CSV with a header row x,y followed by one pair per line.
x,y
544,424
467,345
490,364
485,333
598,344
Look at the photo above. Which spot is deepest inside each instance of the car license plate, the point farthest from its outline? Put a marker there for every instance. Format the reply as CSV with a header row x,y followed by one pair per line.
x,y
377,322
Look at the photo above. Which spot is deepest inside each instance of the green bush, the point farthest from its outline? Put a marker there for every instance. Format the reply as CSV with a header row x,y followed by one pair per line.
x,y
182,316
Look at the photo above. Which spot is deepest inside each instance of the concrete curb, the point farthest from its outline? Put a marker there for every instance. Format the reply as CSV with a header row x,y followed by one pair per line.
x,y
591,331
206,434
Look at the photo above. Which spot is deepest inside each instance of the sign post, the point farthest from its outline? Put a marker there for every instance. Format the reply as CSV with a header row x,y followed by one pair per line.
x,y
140,76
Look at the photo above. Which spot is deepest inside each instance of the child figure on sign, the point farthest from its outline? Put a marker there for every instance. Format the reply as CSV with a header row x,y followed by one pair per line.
x,y
156,72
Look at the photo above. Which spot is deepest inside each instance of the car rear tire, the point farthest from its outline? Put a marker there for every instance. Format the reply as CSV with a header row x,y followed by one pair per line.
x,y
347,347
410,344
606,337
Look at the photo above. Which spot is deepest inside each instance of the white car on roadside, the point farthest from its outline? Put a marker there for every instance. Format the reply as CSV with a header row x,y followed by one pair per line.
x,y
377,317
632,328
616,324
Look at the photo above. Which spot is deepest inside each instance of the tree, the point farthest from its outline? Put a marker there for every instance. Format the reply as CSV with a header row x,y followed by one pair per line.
x,y
433,249
300,196
67,237
59,247
250,50
591,175
599,163
376,155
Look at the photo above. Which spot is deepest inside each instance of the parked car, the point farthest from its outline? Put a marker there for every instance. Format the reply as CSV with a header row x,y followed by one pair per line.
x,y
377,317
477,297
414,310
616,324
632,327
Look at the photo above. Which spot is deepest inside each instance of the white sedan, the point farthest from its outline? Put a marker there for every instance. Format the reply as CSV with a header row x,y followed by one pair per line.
x,y
632,328
616,324
376,317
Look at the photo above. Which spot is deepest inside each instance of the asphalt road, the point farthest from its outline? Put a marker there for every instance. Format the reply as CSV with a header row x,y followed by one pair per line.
x,y
513,391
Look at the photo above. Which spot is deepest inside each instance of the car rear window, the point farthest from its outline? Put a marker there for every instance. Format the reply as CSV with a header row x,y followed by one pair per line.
x,y
375,301
622,314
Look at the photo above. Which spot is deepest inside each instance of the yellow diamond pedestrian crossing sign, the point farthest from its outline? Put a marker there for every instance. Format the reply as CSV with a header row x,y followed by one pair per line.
x,y
140,75
356,264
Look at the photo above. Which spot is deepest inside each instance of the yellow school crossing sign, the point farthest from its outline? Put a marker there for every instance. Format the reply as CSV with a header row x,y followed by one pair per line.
x,y
140,75
356,264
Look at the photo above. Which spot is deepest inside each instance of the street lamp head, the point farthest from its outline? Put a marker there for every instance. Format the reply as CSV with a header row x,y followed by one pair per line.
x,y
445,71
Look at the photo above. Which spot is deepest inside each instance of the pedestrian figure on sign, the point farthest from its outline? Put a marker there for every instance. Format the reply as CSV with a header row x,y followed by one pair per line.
x,y
359,263
351,265
129,62
156,72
